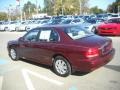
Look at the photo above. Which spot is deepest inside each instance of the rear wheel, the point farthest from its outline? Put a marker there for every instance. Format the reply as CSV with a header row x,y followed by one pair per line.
x,y
94,30
13,54
61,66
6,29
16,29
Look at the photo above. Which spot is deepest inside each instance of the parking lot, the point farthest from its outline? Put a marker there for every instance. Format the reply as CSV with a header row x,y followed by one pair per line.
x,y
24,75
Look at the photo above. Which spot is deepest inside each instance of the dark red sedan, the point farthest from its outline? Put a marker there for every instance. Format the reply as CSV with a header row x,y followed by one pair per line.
x,y
111,27
67,48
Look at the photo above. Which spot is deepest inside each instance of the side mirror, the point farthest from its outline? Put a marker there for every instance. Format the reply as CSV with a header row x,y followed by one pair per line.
x,y
21,39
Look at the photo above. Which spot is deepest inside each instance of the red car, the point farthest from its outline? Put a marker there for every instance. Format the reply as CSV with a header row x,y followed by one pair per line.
x,y
111,27
67,48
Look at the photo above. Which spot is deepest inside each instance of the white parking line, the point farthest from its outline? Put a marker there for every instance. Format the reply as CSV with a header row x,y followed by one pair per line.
x,y
27,80
1,81
29,83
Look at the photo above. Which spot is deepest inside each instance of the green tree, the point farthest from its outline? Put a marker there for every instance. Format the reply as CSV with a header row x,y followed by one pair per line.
x,y
29,9
3,16
96,10
66,7
113,8
84,6
49,7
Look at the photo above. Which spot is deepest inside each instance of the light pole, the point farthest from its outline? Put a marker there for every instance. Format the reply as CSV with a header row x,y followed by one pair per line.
x,y
20,8
62,7
80,5
10,11
36,6
29,11
118,10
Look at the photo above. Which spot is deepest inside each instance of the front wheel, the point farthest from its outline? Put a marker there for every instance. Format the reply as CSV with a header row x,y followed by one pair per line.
x,y
61,66
94,30
13,54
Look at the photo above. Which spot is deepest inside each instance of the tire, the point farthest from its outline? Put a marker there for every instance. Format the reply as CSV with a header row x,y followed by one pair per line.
x,y
13,54
17,29
6,29
59,63
94,30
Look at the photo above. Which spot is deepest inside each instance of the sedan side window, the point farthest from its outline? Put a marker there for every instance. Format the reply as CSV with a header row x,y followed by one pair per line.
x,y
45,35
54,36
31,36
48,35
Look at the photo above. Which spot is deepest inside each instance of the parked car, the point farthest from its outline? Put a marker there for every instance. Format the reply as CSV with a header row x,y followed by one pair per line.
x,y
33,25
92,24
67,48
111,27
18,27
54,21
37,23
1,22
23,25
72,21
10,26
1,25
66,21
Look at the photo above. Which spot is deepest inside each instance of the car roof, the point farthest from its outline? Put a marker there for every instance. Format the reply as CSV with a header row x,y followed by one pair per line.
x,y
114,18
58,26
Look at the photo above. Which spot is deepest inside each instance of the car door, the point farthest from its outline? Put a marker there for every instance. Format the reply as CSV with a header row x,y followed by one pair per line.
x,y
44,48
27,42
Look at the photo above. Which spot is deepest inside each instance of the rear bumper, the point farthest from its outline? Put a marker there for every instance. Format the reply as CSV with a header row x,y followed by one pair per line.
x,y
92,64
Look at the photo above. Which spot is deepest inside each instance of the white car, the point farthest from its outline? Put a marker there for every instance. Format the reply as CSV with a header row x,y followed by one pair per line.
x,y
23,25
36,24
33,25
72,21
91,25
1,26
8,26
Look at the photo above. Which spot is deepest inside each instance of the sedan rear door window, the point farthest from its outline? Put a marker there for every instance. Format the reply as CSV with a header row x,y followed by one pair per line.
x,y
48,35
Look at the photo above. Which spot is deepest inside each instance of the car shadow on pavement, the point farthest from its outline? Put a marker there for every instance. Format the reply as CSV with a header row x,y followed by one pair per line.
x,y
80,73
36,64
50,67
113,67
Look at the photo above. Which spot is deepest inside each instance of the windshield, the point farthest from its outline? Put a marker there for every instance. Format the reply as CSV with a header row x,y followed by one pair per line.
x,y
76,32
66,21
13,22
116,20
91,21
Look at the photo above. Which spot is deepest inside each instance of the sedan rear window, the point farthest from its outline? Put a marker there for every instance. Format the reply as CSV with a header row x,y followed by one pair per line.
x,y
77,32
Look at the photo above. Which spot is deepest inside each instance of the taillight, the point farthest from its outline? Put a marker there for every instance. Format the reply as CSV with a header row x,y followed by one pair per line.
x,y
92,52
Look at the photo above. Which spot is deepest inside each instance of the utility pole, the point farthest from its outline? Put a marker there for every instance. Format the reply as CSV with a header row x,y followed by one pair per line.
x,y
9,14
62,7
20,8
36,6
118,10
29,11
10,11
80,6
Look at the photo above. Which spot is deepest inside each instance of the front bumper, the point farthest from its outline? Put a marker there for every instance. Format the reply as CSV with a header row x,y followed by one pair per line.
x,y
108,32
